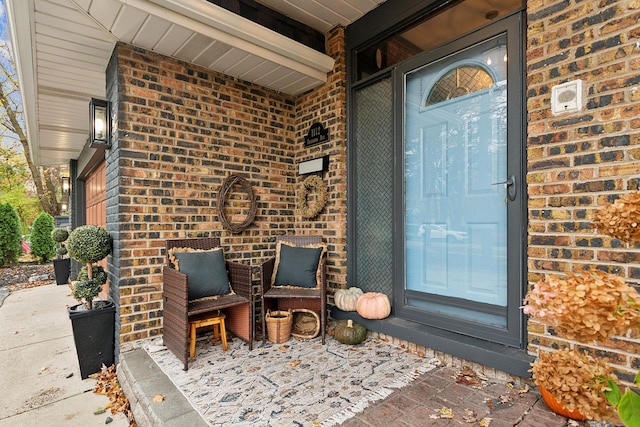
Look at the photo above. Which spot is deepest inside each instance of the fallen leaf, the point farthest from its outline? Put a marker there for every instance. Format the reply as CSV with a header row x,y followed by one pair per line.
x,y
435,361
467,376
158,398
505,399
99,411
294,363
469,416
445,413
523,389
282,347
485,422
107,384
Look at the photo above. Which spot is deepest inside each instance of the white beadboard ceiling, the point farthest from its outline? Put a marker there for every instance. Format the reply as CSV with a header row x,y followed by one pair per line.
x,y
62,48
323,15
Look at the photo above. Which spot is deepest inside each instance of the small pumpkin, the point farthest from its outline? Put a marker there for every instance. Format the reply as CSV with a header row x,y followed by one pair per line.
x,y
373,305
350,333
346,299
557,407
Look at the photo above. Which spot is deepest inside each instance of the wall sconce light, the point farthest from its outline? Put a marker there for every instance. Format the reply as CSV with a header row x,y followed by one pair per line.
x,y
64,208
100,121
66,185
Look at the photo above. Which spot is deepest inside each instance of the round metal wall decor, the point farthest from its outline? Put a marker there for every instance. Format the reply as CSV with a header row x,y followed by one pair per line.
x,y
316,184
226,186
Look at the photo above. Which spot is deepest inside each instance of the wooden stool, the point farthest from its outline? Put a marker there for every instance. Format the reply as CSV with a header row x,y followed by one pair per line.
x,y
217,322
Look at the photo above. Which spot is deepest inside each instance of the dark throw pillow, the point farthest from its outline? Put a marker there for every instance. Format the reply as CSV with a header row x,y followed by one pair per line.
x,y
206,271
297,266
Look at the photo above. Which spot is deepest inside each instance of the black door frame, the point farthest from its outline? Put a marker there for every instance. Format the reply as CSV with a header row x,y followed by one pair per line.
x,y
514,333
388,18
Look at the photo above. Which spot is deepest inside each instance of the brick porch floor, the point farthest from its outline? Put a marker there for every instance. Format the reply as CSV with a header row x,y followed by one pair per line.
x,y
470,400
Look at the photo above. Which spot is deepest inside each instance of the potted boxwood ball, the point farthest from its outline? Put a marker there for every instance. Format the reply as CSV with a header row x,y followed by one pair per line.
x,y
93,322
62,263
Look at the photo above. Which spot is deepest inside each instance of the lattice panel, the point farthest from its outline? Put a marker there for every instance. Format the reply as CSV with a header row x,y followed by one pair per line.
x,y
374,194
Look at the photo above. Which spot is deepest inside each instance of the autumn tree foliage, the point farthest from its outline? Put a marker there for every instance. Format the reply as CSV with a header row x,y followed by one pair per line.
x,y
16,187
12,128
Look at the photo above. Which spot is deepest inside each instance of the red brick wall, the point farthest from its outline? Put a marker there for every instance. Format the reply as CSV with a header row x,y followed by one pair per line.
x,y
182,130
579,161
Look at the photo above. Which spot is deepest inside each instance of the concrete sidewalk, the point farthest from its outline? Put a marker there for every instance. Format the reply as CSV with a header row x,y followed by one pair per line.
x,y
39,372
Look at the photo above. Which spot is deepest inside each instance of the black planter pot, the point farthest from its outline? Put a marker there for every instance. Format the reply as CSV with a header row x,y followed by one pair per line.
x,y
93,333
62,269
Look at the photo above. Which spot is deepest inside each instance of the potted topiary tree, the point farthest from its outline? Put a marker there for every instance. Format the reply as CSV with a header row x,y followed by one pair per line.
x,y
62,263
93,322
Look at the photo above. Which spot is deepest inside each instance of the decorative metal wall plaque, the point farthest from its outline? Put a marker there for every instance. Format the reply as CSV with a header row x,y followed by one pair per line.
x,y
317,134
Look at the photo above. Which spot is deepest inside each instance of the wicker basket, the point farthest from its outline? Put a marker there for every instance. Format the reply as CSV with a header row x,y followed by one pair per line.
x,y
306,323
279,326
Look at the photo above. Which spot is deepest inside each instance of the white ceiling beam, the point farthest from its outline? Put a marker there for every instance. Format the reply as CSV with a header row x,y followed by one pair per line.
x,y
19,14
241,33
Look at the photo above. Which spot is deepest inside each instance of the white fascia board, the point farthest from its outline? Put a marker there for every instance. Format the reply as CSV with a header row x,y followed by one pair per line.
x,y
20,19
234,30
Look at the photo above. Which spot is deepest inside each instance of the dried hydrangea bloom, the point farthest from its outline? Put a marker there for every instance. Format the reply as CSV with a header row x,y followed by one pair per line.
x,y
620,219
576,380
590,306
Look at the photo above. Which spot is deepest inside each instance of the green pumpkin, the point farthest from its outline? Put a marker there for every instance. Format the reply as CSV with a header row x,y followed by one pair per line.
x,y
348,332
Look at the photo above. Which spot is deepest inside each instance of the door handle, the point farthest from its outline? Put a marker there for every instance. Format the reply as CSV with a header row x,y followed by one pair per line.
x,y
511,187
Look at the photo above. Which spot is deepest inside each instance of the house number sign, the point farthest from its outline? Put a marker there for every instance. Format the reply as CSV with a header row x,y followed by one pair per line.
x,y
317,134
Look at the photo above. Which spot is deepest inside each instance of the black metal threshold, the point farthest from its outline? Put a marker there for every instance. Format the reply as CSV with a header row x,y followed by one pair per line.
x,y
503,358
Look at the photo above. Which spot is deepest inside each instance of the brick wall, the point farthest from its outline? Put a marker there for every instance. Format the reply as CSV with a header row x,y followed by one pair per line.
x,y
579,161
327,105
182,130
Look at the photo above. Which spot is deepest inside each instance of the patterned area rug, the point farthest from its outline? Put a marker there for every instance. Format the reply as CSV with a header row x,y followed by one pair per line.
x,y
298,383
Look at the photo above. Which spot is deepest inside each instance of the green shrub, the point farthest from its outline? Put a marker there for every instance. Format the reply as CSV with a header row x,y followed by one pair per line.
x,y
89,244
86,290
61,250
42,245
10,240
98,274
59,234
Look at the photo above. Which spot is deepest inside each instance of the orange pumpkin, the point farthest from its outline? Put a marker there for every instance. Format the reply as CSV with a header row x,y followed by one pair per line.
x,y
557,407
373,305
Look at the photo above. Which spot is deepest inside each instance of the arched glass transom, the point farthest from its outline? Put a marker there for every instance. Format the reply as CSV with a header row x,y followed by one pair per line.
x,y
459,81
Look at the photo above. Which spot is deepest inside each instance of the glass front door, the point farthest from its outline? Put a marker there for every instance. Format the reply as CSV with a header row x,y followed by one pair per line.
x,y
461,185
